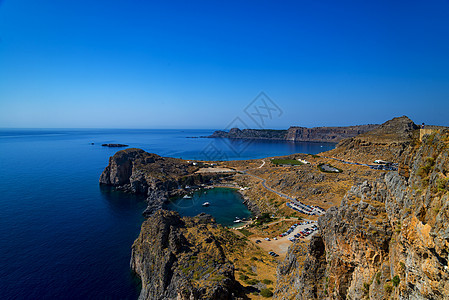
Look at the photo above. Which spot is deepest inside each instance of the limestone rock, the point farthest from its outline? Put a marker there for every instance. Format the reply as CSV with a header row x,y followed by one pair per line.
x,y
182,258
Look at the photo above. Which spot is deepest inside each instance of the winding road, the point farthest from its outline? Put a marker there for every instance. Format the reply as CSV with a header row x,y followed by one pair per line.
x,y
263,182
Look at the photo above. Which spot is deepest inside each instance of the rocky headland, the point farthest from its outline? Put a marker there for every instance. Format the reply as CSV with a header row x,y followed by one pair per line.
x,y
158,178
296,133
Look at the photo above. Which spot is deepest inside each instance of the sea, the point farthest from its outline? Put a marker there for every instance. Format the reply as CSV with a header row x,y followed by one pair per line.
x,y
63,236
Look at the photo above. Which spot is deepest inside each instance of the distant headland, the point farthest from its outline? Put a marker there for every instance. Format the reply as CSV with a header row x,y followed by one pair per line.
x,y
297,134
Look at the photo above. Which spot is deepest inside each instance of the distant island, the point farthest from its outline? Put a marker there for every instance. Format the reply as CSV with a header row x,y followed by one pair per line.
x,y
114,145
296,133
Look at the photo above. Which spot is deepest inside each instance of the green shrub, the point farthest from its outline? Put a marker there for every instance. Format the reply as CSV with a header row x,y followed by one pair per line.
x,y
378,277
396,280
267,281
388,288
245,232
442,184
430,161
266,293
366,287
251,281
243,277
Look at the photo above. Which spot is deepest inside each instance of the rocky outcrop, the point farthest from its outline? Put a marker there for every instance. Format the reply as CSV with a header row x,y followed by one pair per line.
x,y
296,134
292,275
182,258
136,171
389,237
387,142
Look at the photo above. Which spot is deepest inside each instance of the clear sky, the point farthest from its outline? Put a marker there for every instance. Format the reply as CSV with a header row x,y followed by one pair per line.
x,y
197,64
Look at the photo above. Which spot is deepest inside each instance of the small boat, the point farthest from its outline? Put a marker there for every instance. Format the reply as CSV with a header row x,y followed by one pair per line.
x,y
187,197
206,204
237,221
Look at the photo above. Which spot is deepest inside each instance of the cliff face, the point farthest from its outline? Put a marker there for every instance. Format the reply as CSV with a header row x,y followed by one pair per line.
x,y
182,258
137,171
297,134
388,238
326,134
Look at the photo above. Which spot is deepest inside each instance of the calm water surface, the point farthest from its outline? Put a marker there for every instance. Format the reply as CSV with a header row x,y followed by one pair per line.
x,y
62,236
225,205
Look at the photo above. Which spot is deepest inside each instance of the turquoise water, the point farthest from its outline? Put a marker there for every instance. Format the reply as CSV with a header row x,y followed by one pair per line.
x,y
225,205
64,237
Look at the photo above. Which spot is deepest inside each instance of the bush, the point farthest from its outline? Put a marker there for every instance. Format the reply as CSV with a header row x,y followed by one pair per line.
x,y
388,288
263,218
245,232
442,184
266,293
396,280
366,287
378,277
267,281
251,281
243,277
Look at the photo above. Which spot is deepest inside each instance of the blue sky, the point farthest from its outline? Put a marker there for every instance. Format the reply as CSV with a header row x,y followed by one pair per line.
x,y
197,64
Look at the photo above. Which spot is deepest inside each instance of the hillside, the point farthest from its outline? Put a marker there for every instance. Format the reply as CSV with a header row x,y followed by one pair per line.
x,y
386,142
387,239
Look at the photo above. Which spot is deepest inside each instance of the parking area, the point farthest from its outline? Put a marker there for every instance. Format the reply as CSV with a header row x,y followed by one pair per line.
x,y
279,244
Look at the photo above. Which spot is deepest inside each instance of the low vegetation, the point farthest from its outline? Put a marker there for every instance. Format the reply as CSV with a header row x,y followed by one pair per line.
x,y
263,218
290,162
396,280
266,293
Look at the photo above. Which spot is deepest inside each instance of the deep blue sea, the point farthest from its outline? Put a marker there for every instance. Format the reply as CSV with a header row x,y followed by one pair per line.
x,y
64,237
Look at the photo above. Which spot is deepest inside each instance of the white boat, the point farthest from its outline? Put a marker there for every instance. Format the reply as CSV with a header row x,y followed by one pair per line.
x,y
187,197
206,204
237,221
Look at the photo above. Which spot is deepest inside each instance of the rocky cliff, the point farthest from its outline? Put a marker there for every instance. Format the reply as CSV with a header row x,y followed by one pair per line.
x,y
389,238
157,177
182,258
387,142
326,134
297,134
